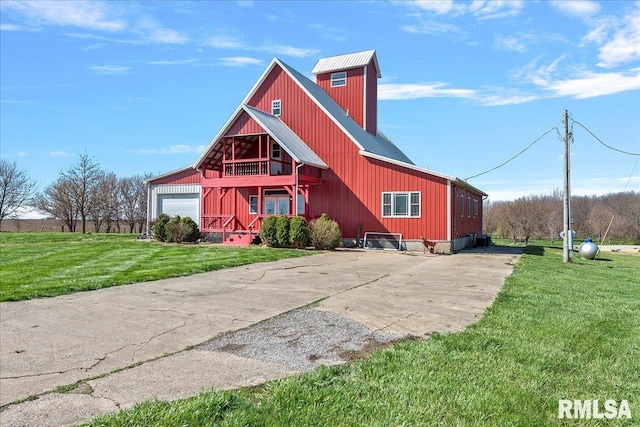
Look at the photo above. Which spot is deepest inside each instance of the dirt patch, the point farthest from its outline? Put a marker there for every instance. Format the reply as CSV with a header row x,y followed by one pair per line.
x,y
303,339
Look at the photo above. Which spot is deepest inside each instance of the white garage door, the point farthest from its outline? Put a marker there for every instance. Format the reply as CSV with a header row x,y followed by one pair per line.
x,y
180,204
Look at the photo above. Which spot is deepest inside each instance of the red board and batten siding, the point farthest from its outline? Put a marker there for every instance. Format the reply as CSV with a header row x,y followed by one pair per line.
x,y
186,176
245,125
464,219
352,187
349,97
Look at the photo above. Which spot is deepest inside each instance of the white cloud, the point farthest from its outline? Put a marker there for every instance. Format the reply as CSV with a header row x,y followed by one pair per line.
x,y
109,69
85,14
393,91
240,61
173,149
176,62
92,15
495,9
624,46
580,8
439,7
94,46
289,50
488,96
431,27
11,27
152,32
592,84
498,97
225,42
228,42
512,43
59,153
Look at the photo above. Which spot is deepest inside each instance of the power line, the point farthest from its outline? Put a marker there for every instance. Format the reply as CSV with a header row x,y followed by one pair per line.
x,y
600,141
514,157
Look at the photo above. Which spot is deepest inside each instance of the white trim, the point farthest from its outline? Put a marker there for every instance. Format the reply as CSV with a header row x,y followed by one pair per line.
x,y
338,79
364,105
257,204
449,210
277,102
409,204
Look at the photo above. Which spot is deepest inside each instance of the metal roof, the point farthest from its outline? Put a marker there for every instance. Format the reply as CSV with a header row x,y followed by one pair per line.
x,y
346,62
285,137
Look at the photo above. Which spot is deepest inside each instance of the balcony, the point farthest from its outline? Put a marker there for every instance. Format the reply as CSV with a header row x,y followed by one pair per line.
x,y
255,167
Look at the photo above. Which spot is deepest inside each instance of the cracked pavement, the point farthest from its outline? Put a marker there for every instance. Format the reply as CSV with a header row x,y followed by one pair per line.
x,y
136,342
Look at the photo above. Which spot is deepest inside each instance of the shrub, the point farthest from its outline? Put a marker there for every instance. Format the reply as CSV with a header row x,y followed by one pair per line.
x,y
283,224
159,228
176,229
268,231
299,232
325,233
194,233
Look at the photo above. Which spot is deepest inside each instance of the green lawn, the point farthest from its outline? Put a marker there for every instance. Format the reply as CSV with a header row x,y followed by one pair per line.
x,y
34,265
556,331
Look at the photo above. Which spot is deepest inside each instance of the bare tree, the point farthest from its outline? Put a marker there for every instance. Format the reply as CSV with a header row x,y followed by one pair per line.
x,y
57,201
133,201
81,178
526,212
104,204
141,209
16,189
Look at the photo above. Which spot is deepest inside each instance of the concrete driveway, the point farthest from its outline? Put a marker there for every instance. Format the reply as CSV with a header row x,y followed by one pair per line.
x,y
126,344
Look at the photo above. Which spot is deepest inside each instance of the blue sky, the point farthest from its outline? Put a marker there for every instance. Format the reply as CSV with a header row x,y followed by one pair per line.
x,y
145,86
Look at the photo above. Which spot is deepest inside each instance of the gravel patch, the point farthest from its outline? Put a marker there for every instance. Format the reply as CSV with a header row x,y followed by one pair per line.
x,y
301,340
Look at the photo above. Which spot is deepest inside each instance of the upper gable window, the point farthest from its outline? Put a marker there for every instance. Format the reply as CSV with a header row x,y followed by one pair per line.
x,y
276,107
339,79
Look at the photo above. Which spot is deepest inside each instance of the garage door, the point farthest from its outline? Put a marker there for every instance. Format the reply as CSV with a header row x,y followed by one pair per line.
x,y
180,204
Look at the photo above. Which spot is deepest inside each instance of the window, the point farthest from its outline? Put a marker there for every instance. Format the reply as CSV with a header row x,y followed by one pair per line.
x,y
253,204
461,207
401,204
276,107
339,79
469,212
475,208
275,151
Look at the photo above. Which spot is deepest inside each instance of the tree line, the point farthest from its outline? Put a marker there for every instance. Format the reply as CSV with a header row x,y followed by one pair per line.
x,y
616,214
84,195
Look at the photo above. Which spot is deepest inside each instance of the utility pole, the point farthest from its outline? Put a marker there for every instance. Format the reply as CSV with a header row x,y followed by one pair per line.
x,y
567,248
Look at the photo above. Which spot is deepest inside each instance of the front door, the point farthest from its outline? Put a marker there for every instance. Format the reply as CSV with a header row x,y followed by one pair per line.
x,y
276,205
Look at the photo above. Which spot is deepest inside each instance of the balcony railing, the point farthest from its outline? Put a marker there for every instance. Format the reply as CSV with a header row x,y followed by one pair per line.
x,y
242,168
256,167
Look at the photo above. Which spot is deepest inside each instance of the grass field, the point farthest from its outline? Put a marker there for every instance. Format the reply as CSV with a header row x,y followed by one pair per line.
x,y
34,265
556,331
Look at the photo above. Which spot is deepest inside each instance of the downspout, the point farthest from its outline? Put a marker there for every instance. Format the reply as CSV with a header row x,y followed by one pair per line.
x,y
296,191
449,211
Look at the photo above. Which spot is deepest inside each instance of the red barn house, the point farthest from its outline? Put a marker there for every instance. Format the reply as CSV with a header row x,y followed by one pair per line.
x,y
298,147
